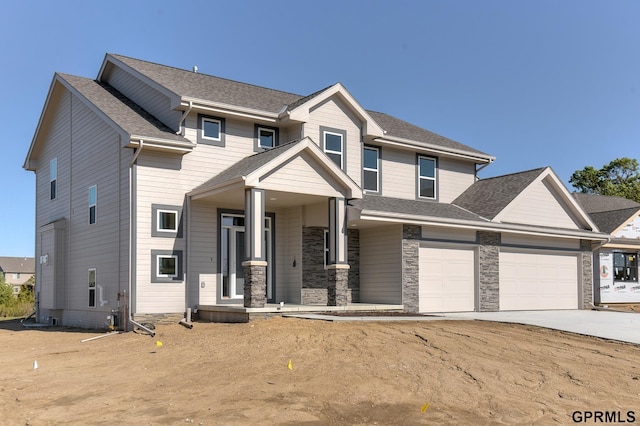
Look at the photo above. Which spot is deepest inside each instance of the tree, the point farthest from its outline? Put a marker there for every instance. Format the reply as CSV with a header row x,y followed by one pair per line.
x,y
621,178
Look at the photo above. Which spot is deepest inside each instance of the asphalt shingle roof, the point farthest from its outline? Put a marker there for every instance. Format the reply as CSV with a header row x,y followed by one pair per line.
x,y
611,220
25,265
414,208
488,197
127,115
594,203
213,89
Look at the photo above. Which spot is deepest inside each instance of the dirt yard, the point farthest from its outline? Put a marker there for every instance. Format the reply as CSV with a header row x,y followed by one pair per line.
x,y
341,373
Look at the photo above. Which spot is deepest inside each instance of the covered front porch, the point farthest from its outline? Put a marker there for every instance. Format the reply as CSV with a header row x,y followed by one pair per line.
x,y
272,229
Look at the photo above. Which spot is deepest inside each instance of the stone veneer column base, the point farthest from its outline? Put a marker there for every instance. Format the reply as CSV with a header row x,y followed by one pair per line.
x,y
587,274
337,284
489,270
411,235
255,284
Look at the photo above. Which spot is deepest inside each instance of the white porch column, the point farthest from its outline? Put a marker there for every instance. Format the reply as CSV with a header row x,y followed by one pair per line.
x,y
255,262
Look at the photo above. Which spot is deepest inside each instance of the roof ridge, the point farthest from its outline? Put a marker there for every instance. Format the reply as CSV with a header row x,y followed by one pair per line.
x,y
116,55
515,173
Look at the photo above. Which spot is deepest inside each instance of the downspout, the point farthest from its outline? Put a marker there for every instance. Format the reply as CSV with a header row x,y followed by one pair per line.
x,y
482,167
128,316
184,116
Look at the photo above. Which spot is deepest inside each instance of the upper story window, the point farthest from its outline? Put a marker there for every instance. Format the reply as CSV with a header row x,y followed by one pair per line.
x,y
93,204
53,177
92,288
427,185
333,144
166,221
371,169
265,137
211,130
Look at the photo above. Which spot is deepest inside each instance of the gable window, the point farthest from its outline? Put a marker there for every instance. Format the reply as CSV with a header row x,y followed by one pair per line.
x,y
92,288
166,266
333,144
166,221
427,177
371,169
625,267
93,203
53,177
211,130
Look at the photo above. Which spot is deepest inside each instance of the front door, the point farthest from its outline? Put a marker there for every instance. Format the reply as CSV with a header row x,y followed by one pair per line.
x,y
232,254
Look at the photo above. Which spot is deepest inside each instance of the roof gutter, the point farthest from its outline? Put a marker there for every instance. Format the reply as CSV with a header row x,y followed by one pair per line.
x,y
184,116
451,152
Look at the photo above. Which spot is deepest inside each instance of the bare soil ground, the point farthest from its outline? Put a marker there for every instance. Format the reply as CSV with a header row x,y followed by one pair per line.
x,y
341,373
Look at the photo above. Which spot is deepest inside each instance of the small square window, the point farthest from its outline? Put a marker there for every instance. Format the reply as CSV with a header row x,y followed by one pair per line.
x,y
267,138
211,130
167,220
167,266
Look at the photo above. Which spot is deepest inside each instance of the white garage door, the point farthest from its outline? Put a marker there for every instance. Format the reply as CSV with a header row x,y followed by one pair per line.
x,y
447,279
538,281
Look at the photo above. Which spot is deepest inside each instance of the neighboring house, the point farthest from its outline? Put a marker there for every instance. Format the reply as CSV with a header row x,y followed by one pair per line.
x,y
615,260
160,189
17,271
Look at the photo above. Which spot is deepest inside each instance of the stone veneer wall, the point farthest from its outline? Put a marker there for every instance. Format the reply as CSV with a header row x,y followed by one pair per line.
x,y
411,235
587,274
489,271
314,275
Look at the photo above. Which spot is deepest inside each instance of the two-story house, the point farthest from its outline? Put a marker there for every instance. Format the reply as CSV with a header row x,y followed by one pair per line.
x,y
17,271
160,190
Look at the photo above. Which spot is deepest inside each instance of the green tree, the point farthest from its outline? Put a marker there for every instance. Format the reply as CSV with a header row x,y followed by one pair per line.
x,y
6,293
621,178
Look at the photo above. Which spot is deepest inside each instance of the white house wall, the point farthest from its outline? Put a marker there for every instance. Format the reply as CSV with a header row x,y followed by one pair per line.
x,y
381,264
202,254
289,248
538,206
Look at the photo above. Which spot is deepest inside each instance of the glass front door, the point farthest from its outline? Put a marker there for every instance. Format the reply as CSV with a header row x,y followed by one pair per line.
x,y
232,254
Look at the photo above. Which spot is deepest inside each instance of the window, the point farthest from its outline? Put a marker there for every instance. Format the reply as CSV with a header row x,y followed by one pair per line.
x,y
371,168
625,267
427,177
211,130
326,248
93,201
166,221
92,288
53,177
265,137
16,276
166,266
333,144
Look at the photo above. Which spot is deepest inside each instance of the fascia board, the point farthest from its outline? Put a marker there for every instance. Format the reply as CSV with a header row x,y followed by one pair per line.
x,y
202,105
481,226
164,144
433,149
370,126
224,187
27,161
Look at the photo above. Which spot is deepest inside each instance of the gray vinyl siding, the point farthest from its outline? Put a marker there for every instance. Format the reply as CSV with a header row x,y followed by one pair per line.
x,y
142,94
381,265
202,253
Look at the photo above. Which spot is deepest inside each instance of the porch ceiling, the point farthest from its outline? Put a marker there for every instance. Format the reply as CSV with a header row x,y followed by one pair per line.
x,y
234,199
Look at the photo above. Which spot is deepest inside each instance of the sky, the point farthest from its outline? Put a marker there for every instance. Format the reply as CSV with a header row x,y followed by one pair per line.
x,y
532,82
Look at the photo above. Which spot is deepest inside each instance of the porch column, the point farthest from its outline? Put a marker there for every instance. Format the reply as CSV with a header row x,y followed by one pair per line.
x,y
338,267
255,263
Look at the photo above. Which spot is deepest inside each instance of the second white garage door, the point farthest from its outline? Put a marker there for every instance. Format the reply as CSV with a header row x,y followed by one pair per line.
x,y
447,279
535,281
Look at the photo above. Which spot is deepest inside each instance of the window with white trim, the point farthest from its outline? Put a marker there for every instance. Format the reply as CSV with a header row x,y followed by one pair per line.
x,y
371,169
427,185
167,266
266,138
211,130
53,178
92,287
167,220
334,147
16,276
93,204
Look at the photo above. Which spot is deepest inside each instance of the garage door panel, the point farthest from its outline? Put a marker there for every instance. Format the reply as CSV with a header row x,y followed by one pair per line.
x,y
538,281
447,280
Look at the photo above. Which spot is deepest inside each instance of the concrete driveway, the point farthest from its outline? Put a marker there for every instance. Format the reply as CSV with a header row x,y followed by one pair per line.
x,y
622,326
